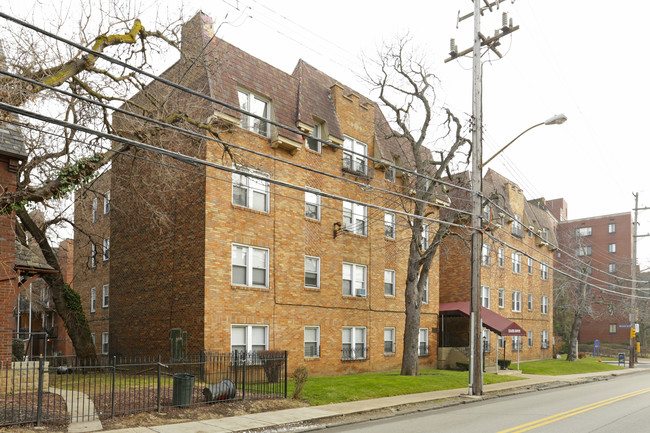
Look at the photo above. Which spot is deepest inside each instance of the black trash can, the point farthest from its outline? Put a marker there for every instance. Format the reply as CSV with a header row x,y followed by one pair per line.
x,y
183,390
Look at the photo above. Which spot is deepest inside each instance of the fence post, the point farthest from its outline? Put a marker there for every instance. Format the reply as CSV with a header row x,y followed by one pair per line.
x,y
285,373
235,363
202,365
243,377
113,388
159,374
39,407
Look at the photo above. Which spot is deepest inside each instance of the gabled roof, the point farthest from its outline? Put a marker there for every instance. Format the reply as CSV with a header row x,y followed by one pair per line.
x,y
32,259
491,320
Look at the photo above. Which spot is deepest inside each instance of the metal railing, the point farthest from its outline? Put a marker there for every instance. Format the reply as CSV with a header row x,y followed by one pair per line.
x,y
354,353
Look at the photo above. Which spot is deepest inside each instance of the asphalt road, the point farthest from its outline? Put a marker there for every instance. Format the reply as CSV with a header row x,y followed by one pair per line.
x,y
620,404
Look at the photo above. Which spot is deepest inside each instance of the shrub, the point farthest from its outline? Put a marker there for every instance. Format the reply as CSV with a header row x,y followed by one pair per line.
x,y
18,349
463,365
504,364
582,355
299,376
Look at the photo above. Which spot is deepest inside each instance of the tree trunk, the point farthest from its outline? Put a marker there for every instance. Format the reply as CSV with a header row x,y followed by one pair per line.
x,y
573,338
413,304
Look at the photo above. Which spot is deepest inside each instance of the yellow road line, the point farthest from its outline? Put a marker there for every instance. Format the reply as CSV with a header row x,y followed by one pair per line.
x,y
572,412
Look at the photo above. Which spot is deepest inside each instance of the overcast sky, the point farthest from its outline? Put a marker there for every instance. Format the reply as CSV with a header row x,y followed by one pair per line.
x,y
581,58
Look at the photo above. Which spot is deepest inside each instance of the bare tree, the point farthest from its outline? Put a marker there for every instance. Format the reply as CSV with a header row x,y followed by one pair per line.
x,y
407,90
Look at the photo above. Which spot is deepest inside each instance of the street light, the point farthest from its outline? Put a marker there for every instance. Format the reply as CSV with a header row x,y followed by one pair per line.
x,y
475,370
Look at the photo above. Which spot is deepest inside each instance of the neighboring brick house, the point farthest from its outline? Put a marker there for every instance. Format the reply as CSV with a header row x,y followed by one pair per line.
x,y
516,275
210,259
604,243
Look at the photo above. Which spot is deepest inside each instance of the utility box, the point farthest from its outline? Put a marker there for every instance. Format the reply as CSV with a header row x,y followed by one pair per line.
x,y
183,388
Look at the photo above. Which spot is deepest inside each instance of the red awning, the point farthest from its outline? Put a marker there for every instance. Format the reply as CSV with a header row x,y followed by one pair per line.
x,y
491,320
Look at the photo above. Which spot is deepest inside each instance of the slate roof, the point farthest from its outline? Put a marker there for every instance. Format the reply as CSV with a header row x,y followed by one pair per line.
x,y
11,140
30,258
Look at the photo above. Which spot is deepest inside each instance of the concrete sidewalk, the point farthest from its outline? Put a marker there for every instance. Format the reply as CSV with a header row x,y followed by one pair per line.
x,y
334,414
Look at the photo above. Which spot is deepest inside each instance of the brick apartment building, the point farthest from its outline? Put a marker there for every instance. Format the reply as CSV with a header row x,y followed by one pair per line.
x,y
516,274
214,260
604,244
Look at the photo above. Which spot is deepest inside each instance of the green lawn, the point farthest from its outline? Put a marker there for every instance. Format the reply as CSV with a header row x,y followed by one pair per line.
x,y
337,389
558,367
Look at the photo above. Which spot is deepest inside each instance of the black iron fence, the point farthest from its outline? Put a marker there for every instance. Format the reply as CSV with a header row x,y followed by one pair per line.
x,y
61,390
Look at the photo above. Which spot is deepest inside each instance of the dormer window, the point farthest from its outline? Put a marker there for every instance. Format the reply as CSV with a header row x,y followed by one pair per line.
x,y
317,134
255,105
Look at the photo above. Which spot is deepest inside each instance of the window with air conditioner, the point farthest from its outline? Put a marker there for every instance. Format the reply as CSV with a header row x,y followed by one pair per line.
x,y
354,280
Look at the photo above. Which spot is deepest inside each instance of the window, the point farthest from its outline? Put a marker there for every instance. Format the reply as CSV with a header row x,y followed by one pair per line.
x,y
502,342
93,300
106,244
530,301
105,296
516,342
425,293
544,304
104,343
389,341
516,263
312,272
107,202
611,248
502,298
485,255
486,340
389,282
354,280
501,257
612,328
312,341
423,342
544,339
355,162
389,174
530,265
424,231
544,270
516,301
584,250
312,142
530,338
92,338
94,210
611,268
354,218
516,226
485,297
248,338
250,266
354,343
93,255
254,105
312,205
250,192
583,231
544,234
389,225
611,228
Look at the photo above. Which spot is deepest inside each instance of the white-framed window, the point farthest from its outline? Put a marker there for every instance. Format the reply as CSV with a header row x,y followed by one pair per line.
x,y
250,266
389,225
485,254
611,268
516,226
106,246
312,141
389,282
486,340
354,280
312,272
249,338
502,342
353,343
425,293
544,304
530,265
583,231
355,162
544,234
93,300
485,297
94,215
250,192
544,339
530,338
584,250
501,257
423,342
255,105
389,174
107,202
93,255
611,228
104,343
312,204
516,263
105,296
355,218
530,301
502,298
612,328
544,270
611,248
516,301
389,341
516,342
424,231
312,341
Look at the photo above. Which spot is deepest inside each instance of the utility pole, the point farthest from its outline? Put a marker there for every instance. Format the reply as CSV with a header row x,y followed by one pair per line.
x,y
634,313
476,324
